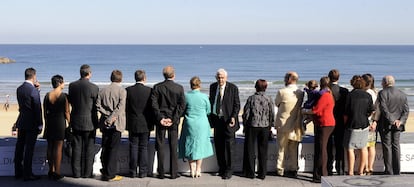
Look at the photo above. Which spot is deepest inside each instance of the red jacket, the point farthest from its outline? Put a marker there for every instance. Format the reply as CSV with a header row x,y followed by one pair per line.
x,y
323,110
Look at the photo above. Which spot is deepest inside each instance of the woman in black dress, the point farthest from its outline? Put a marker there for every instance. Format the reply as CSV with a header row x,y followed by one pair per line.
x,y
56,112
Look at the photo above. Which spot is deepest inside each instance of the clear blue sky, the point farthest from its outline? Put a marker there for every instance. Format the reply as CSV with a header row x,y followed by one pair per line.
x,y
207,21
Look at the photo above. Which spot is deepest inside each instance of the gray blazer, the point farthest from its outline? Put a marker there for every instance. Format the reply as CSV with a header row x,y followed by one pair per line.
x,y
111,103
393,106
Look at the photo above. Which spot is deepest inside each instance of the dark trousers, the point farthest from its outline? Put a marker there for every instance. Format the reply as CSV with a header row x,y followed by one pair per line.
x,y
111,139
138,152
320,161
23,155
83,145
261,136
336,142
391,150
224,142
160,144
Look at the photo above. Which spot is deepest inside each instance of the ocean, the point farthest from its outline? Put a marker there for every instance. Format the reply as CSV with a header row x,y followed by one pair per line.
x,y
244,64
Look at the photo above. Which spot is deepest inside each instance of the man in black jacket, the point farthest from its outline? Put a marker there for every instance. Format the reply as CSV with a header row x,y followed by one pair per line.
x,y
84,121
29,123
168,103
140,121
225,107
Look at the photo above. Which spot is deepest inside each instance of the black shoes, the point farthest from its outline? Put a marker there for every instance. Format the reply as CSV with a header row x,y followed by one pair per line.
x,y
31,178
54,176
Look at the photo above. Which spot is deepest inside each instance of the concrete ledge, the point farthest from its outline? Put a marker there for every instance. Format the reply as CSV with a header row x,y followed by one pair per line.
x,y
40,166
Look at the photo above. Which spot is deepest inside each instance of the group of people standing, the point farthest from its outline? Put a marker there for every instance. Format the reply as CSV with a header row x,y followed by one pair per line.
x,y
341,118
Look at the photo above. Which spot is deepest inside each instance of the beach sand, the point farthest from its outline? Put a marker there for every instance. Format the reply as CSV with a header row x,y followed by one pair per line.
x,y
8,118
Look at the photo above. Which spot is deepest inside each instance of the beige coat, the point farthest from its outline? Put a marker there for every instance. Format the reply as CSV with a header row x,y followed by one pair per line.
x,y
289,117
111,103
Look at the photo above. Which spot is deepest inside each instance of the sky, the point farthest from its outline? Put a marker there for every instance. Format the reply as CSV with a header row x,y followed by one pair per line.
x,y
207,22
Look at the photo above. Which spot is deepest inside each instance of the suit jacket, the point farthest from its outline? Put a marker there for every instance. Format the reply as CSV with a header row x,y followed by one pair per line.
x,y
230,103
82,97
340,94
289,117
168,101
393,106
30,108
111,103
139,113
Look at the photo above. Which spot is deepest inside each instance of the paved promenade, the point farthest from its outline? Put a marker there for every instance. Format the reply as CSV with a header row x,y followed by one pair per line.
x,y
206,180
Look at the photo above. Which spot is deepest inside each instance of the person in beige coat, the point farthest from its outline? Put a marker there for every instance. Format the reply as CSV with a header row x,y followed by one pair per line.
x,y
288,125
111,104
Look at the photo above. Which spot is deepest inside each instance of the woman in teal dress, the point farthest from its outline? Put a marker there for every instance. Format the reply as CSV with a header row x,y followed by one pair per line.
x,y
195,144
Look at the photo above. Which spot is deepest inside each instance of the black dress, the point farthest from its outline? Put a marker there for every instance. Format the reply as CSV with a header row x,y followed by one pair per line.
x,y
55,118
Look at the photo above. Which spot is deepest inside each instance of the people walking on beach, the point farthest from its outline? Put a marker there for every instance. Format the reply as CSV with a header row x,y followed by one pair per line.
x,y
84,121
258,117
358,108
111,105
393,107
288,124
56,113
195,143
29,123
140,122
336,140
225,108
372,133
168,103
324,124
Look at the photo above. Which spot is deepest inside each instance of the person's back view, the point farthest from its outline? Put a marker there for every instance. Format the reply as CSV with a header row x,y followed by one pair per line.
x,y
84,121
340,94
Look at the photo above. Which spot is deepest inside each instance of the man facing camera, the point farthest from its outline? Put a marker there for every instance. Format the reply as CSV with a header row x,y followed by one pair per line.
x,y
225,107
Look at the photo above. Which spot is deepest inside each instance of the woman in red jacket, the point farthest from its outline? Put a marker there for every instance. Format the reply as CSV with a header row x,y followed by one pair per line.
x,y
324,124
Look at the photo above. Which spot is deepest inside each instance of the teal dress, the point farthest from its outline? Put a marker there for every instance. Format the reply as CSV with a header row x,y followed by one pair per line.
x,y
194,143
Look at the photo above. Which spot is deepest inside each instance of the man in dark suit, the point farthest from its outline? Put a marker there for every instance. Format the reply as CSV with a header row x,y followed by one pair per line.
x,y
140,121
29,123
111,105
225,107
391,118
168,103
340,94
84,121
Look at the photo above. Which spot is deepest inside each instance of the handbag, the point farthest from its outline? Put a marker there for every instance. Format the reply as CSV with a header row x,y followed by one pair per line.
x,y
68,143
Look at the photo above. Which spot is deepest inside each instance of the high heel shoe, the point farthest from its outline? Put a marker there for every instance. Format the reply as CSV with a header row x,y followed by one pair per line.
x,y
198,174
193,174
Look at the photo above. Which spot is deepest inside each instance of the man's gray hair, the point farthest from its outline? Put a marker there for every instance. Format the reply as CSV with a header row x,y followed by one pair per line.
x,y
388,80
222,71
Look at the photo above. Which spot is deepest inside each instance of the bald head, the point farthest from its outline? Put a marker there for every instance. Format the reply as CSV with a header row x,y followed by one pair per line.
x,y
388,81
291,77
168,72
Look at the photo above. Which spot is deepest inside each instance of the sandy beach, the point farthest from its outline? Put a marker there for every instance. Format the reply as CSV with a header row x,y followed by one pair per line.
x,y
7,119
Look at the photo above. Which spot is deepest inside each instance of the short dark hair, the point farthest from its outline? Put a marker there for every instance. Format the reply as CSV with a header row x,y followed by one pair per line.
x,y
358,82
29,73
334,75
85,70
116,76
260,85
312,84
195,82
56,80
139,75
369,79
